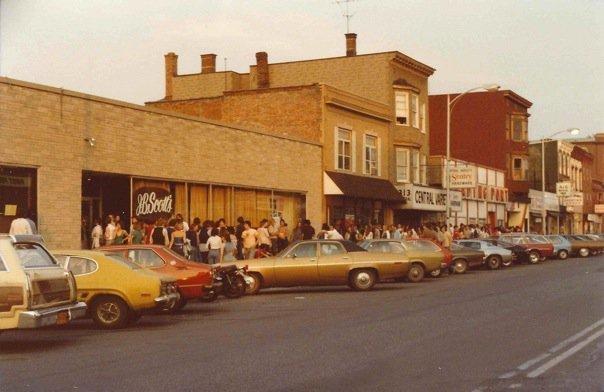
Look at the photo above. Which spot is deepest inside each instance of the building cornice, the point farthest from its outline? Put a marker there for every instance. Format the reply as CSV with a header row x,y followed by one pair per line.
x,y
339,98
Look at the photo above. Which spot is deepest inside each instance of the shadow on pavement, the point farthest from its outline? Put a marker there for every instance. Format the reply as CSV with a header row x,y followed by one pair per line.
x,y
333,289
31,344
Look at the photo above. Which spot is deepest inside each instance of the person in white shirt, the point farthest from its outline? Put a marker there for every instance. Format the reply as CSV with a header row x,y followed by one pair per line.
x,y
110,231
264,237
97,233
215,246
333,234
20,226
249,237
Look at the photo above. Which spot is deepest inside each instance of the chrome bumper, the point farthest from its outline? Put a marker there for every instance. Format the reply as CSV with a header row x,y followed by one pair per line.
x,y
164,299
46,317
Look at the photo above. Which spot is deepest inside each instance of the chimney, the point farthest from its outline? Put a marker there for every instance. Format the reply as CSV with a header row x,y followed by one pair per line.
x,y
171,71
351,44
208,63
262,69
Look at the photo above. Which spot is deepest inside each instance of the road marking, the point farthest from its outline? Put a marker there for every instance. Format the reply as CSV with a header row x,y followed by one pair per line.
x,y
507,375
533,361
576,336
556,360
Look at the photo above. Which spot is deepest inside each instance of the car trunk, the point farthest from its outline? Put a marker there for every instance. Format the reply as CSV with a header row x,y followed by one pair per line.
x,y
49,287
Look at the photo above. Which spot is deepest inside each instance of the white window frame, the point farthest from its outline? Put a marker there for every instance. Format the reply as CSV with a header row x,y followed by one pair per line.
x,y
401,109
407,154
414,110
337,148
423,169
415,166
422,118
377,154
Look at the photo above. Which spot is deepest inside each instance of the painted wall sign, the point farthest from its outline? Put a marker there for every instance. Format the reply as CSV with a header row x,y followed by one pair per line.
x,y
429,199
153,203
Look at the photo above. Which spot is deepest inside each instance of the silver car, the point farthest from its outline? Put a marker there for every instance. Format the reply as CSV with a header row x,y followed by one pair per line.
x,y
490,251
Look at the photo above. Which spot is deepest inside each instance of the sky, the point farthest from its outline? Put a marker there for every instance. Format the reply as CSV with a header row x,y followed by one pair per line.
x,y
548,51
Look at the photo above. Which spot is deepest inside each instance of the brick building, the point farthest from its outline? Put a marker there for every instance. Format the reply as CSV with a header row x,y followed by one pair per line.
x,y
69,158
490,129
368,111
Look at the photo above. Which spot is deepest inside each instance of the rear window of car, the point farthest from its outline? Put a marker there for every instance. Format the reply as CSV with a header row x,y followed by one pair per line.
x,y
122,260
423,245
33,256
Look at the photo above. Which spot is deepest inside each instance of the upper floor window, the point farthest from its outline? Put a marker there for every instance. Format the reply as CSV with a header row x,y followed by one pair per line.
x,y
344,149
519,129
371,155
415,166
519,168
402,165
402,107
414,111
422,118
423,169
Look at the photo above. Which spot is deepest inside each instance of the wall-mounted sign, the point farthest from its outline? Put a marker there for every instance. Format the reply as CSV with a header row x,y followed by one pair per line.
x,y
599,208
427,198
573,201
152,203
564,189
13,181
462,177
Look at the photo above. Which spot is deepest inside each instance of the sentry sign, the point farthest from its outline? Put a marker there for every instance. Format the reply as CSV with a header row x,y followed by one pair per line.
x,y
462,177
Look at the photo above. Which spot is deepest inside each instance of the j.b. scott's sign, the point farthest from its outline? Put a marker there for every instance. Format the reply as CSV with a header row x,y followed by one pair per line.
x,y
153,203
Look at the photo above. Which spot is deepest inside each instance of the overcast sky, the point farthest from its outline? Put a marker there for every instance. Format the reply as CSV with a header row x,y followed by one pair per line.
x,y
550,52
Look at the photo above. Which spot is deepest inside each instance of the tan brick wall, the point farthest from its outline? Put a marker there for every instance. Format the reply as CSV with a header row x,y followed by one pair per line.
x,y
43,128
207,85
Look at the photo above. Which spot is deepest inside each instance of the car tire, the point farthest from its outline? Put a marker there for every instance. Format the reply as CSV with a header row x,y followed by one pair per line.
x,y
583,252
534,257
416,273
507,263
362,279
460,266
563,254
436,273
494,262
254,287
110,312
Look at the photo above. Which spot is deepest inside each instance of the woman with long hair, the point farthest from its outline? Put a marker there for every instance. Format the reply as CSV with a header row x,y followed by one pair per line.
x,y
177,242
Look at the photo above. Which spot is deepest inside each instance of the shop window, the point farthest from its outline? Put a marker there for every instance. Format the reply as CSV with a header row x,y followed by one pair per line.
x,y
402,165
290,207
18,194
344,149
401,103
263,205
198,202
221,203
371,155
245,204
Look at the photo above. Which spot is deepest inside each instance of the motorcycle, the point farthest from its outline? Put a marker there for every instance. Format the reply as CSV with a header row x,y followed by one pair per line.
x,y
230,281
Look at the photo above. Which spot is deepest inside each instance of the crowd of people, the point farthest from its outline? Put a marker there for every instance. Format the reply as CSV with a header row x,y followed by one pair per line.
x,y
214,242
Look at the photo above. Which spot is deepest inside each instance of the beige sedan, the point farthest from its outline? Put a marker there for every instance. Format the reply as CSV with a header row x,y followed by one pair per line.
x,y
324,263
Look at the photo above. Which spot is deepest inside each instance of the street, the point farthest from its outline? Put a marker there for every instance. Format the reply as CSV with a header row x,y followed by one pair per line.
x,y
523,328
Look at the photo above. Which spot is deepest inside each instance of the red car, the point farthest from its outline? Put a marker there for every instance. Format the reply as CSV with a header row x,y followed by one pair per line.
x,y
194,280
537,247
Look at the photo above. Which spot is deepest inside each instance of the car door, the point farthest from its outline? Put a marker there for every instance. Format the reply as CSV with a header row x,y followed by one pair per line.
x,y
334,263
298,267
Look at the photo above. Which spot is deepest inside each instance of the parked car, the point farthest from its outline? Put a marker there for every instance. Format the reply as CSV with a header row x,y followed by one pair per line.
x,y
324,263
519,252
494,256
465,257
562,246
425,257
537,247
116,290
193,279
34,290
584,246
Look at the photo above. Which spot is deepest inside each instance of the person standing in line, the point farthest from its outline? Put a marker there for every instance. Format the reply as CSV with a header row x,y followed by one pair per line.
x,y
368,233
159,235
447,237
193,240
136,234
177,241
238,231
229,241
264,239
110,230
185,225
297,234
97,233
282,236
133,221
214,247
20,226
204,235
121,235
250,240
171,228
308,232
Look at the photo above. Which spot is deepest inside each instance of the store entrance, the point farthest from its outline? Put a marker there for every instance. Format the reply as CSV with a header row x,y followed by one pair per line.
x,y
104,194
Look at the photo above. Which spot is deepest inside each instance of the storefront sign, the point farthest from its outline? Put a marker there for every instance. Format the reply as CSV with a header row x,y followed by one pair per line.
x,y
429,199
593,218
462,177
21,182
564,189
573,201
153,203
551,201
599,208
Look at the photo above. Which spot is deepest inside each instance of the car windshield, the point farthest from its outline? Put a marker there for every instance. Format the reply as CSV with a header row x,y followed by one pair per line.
x,y
33,256
538,239
422,245
122,260
459,247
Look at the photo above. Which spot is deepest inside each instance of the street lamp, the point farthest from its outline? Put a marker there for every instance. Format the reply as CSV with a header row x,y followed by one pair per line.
x,y
571,131
450,104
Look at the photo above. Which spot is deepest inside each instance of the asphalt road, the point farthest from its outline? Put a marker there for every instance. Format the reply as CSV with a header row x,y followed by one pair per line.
x,y
474,332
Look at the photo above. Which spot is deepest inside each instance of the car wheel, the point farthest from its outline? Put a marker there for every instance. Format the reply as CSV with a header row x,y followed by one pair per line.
x,y
583,252
362,279
460,266
494,262
507,263
416,273
254,286
436,273
534,257
109,312
562,254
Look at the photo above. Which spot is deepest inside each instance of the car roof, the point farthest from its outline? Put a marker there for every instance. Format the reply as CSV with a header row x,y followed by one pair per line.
x,y
133,246
78,252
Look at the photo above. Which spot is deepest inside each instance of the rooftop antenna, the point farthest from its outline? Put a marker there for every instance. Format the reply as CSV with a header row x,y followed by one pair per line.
x,y
346,12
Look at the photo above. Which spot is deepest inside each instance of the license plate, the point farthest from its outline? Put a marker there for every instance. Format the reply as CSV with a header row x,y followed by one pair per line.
x,y
63,318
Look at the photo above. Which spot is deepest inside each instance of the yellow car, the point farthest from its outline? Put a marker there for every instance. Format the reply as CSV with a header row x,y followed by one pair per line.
x,y
324,263
116,290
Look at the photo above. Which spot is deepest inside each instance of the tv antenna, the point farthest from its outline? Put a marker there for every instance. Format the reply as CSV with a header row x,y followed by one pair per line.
x,y
346,12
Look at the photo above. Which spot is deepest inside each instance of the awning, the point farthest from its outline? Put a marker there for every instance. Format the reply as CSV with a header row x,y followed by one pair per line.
x,y
335,183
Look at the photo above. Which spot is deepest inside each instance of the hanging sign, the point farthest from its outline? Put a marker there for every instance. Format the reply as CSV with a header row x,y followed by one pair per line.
x,y
152,203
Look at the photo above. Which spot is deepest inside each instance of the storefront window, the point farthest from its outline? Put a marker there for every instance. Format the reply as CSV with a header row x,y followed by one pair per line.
x,y
221,203
18,195
198,202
